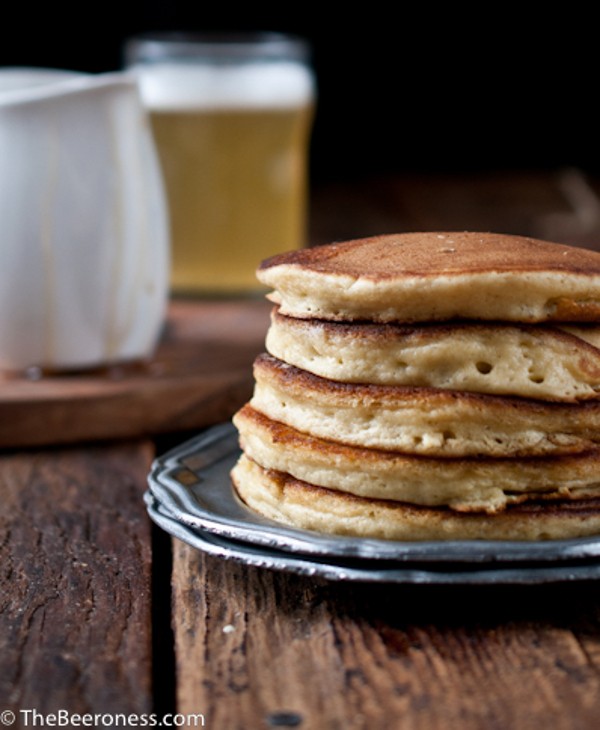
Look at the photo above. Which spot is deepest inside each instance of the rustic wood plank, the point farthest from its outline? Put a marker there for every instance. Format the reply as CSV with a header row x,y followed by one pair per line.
x,y
200,374
261,649
75,570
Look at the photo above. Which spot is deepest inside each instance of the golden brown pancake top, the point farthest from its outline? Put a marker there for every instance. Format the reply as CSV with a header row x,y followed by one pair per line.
x,y
432,254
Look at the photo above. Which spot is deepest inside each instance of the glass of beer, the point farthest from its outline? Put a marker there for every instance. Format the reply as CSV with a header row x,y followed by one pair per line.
x,y
231,117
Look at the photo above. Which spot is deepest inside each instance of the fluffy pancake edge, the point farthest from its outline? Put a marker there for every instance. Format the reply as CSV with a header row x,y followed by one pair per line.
x,y
541,362
463,484
286,500
425,421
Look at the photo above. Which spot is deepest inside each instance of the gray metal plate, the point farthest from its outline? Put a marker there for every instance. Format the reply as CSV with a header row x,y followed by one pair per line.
x,y
190,493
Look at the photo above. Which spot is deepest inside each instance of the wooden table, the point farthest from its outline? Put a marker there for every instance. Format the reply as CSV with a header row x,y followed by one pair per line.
x,y
102,613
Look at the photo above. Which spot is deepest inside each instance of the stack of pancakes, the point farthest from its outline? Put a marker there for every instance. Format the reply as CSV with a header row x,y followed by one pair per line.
x,y
428,386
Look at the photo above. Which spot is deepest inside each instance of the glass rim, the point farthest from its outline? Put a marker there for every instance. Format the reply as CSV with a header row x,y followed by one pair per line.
x,y
217,46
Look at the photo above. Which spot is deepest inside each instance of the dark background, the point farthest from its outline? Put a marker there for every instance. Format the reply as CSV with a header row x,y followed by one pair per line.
x,y
400,89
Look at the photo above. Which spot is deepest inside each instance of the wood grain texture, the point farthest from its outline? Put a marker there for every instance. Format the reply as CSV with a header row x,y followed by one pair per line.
x,y
75,568
261,649
200,374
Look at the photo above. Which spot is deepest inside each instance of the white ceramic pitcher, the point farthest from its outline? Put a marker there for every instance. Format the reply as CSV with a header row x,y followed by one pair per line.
x,y
83,222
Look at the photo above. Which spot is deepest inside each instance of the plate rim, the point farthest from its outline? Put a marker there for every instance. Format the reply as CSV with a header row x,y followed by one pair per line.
x,y
254,529
417,575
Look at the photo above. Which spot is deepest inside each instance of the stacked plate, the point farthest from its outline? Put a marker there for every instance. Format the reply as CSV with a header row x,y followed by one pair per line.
x,y
191,497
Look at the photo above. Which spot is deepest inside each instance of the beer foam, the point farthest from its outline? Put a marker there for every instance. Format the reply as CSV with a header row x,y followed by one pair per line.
x,y
166,87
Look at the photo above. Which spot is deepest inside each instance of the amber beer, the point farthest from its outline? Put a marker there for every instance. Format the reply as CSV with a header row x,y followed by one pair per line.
x,y
233,143
236,183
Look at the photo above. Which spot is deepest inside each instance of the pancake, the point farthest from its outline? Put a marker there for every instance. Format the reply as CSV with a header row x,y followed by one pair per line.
x,y
424,421
428,386
475,484
422,277
286,500
531,361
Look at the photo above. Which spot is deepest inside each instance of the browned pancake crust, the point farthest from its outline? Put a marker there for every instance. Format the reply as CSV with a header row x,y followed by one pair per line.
x,y
432,254
281,433
389,332
393,331
541,507
297,381
297,503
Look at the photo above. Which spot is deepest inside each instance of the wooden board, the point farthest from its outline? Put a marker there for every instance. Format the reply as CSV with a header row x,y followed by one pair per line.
x,y
262,649
200,374
75,581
